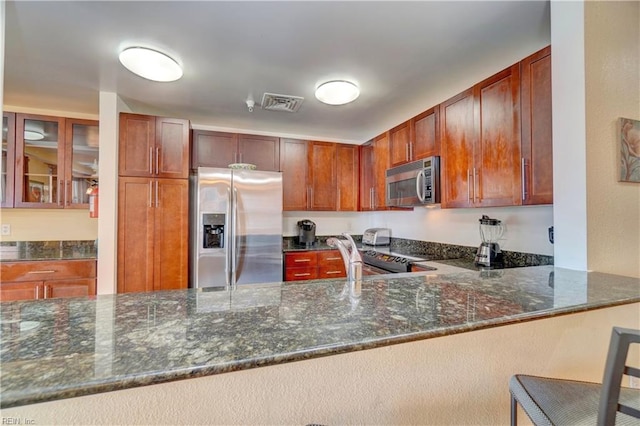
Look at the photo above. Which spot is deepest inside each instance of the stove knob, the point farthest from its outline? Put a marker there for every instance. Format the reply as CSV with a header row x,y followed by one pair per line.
x,y
404,260
397,259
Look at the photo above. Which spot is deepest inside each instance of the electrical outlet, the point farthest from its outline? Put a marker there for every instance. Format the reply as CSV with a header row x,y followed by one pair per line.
x,y
6,229
634,382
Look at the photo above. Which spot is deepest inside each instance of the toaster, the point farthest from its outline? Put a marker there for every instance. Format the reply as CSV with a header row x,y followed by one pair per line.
x,y
377,237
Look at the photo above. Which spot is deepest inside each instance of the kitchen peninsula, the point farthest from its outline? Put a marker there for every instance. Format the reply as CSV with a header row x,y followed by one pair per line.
x,y
407,336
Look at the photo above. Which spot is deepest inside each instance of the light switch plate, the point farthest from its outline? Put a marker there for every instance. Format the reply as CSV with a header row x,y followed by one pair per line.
x,y
6,229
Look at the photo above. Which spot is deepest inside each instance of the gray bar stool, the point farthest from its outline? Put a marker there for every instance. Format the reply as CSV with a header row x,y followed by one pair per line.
x,y
549,401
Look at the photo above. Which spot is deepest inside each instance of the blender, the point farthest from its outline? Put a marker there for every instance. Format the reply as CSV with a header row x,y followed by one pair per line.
x,y
489,254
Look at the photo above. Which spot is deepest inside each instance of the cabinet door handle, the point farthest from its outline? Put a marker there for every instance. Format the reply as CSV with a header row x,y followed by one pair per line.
x,y
468,186
474,184
37,292
371,198
151,160
333,272
302,260
523,176
333,258
46,292
60,192
157,160
302,275
44,271
67,193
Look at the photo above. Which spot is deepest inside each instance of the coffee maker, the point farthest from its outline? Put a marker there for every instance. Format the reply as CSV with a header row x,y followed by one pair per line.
x,y
306,232
489,254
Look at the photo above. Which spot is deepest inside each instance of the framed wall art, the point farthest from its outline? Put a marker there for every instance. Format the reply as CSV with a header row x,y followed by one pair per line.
x,y
629,150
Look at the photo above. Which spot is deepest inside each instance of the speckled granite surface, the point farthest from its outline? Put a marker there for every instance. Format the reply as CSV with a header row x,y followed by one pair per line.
x,y
62,348
460,256
47,250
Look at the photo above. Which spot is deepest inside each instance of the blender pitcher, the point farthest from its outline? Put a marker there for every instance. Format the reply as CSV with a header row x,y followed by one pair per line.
x,y
489,254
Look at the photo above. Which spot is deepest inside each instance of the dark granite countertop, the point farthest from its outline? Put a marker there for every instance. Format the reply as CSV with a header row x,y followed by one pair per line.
x,y
47,250
62,348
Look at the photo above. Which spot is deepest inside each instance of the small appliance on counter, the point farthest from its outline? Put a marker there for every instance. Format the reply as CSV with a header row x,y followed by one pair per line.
x,y
376,237
306,232
489,254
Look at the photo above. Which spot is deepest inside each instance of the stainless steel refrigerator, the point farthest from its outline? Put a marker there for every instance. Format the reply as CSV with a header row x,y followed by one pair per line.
x,y
236,227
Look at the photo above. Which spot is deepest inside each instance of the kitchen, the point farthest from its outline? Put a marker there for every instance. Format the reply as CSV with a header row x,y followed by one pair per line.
x,y
440,223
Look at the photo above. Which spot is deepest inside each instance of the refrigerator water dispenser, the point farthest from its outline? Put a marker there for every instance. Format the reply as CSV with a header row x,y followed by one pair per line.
x,y
213,224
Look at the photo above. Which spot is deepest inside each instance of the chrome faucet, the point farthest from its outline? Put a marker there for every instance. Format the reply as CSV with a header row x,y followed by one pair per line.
x,y
352,260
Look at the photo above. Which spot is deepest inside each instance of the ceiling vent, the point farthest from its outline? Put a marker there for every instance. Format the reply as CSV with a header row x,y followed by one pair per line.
x,y
286,103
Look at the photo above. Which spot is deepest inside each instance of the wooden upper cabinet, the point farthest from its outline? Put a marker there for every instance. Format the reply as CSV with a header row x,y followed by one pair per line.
x,y
400,144
416,138
497,155
172,148
365,198
263,151
425,136
153,146
218,149
481,143
380,165
40,176
347,171
537,139
8,159
458,141
322,176
213,149
293,161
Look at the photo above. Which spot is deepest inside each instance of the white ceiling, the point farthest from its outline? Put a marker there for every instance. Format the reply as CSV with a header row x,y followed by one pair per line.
x,y
405,56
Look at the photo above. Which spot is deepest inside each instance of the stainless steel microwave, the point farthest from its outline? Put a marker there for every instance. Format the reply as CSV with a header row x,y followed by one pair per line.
x,y
414,184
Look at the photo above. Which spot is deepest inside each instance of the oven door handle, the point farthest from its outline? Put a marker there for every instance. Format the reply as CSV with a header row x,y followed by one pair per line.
x,y
420,185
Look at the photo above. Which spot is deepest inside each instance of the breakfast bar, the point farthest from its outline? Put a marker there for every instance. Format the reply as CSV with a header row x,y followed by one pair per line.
x,y
66,349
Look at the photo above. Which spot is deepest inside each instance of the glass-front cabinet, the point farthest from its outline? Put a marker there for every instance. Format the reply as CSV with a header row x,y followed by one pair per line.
x,y
8,159
56,161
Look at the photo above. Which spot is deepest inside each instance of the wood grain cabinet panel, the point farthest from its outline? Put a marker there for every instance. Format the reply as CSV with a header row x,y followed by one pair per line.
x,y
218,149
47,279
322,176
8,159
481,143
153,203
347,171
309,265
425,137
537,139
152,234
380,166
367,178
153,146
294,164
400,144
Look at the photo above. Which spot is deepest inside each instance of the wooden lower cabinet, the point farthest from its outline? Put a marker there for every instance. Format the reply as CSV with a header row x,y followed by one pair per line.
x,y
153,234
47,279
310,265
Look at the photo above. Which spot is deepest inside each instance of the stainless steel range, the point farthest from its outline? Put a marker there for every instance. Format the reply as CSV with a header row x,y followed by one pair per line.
x,y
383,261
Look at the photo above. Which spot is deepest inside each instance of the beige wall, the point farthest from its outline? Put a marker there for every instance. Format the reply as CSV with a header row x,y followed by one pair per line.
x,y
454,380
49,224
612,65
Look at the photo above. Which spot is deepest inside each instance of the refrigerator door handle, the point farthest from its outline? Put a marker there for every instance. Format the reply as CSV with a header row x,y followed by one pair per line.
x,y
234,238
228,237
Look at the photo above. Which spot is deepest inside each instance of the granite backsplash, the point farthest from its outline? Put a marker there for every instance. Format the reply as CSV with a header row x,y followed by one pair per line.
x,y
436,251
47,250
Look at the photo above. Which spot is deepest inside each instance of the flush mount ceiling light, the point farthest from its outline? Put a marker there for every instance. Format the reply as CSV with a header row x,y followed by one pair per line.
x,y
150,64
31,135
337,92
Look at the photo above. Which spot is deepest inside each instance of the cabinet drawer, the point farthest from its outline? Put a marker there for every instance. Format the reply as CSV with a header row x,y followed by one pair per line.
x,y
300,259
70,288
304,273
47,270
329,256
20,291
332,270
